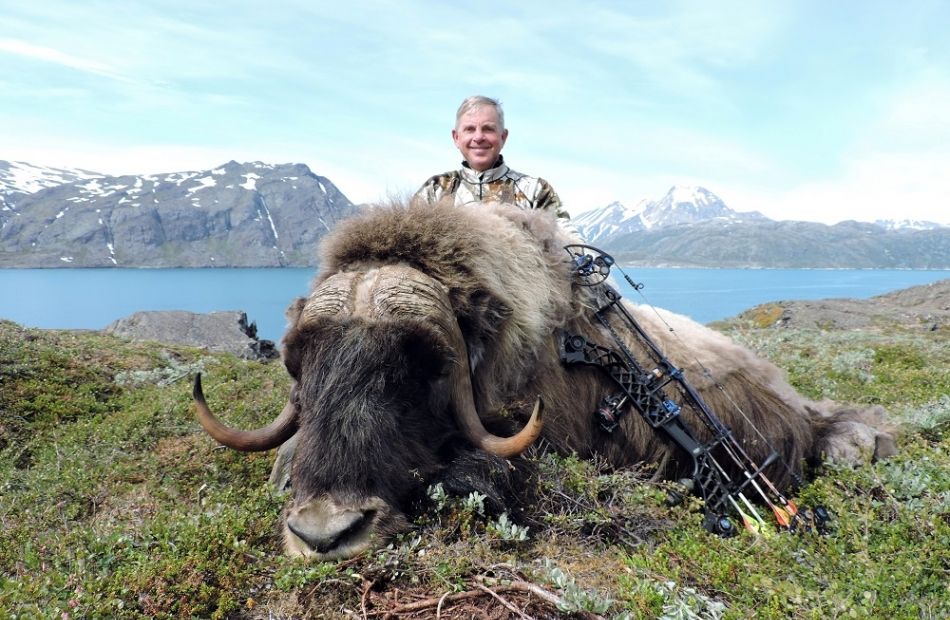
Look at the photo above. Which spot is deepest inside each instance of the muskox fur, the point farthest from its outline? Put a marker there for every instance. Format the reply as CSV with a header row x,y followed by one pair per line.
x,y
374,410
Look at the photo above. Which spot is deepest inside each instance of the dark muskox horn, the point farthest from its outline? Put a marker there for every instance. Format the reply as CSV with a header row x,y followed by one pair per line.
x,y
271,436
467,415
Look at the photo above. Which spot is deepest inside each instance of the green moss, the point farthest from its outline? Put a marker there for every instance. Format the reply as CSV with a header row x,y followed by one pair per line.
x,y
893,367
765,315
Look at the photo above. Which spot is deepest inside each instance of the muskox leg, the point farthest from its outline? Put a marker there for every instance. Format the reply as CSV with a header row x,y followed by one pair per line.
x,y
280,472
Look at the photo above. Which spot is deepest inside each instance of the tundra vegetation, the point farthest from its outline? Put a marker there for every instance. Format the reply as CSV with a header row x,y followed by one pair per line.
x,y
114,503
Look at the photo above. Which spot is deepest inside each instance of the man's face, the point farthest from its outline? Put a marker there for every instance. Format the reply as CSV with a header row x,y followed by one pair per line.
x,y
479,137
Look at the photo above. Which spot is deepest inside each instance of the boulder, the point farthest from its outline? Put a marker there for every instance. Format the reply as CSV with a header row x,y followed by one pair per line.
x,y
225,332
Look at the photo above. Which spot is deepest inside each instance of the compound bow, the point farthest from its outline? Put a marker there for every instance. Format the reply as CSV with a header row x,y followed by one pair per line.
x,y
647,390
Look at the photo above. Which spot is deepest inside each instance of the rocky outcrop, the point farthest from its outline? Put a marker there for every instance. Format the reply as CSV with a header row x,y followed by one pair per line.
x,y
223,332
922,307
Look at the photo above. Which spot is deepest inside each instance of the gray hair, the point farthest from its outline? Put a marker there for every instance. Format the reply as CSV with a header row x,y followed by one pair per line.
x,y
477,101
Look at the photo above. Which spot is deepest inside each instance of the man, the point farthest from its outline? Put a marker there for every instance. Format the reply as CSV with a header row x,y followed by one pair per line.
x,y
480,134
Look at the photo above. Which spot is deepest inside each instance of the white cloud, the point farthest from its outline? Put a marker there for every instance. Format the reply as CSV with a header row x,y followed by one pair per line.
x,y
48,54
679,49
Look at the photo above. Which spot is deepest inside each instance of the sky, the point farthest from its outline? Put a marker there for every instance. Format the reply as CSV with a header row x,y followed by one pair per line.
x,y
805,110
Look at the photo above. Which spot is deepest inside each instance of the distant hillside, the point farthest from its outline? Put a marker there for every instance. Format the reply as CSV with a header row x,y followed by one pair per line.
x,y
691,227
848,245
237,215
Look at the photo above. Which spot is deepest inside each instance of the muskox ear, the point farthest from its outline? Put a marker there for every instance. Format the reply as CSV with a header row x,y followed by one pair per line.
x,y
294,310
289,351
291,357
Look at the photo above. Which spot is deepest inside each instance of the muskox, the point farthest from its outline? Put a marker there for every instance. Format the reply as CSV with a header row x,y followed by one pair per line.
x,y
421,353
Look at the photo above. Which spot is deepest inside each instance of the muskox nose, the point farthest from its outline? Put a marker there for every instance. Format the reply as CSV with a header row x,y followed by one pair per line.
x,y
330,529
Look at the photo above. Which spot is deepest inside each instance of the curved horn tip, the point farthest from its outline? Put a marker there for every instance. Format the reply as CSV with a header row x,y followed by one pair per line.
x,y
539,407
535,423
197,392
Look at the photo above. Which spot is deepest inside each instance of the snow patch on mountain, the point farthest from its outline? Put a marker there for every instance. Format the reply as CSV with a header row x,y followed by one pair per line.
x,y
23,178
250,182
610,220
907,224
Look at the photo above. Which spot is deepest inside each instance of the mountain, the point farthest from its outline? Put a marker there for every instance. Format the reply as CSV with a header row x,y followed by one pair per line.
x,y
786,244
237,215
262,215
692,227
680,206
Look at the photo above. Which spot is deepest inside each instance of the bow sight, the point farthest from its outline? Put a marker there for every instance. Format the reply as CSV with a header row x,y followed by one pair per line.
x,y
723,472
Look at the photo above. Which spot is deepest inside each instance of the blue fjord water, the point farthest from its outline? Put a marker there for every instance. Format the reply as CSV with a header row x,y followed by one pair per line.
x,y
93,298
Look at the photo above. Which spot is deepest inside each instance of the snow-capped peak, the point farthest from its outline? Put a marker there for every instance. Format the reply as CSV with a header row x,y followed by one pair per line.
x,y
23,178
686,205
607,221
684,194
682,205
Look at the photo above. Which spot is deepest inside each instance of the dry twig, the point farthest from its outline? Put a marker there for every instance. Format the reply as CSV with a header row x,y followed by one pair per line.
x,y
503,601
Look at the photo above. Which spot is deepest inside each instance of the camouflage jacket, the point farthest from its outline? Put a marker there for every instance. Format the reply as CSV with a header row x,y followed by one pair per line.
x,y
500,183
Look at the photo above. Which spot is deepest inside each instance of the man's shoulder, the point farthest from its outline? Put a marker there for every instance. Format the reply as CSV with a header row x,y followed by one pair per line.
x,y
514,175
438,185
541,194
442,180
528,180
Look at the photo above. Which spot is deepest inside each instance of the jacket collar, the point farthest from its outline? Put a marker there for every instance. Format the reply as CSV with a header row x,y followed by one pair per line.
x,y
497,171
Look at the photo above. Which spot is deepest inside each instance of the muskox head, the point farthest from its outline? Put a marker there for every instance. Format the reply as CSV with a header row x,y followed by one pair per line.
x,y
382,401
